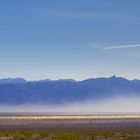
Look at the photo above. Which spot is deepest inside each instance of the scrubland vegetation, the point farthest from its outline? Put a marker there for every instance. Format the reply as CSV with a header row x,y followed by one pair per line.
x,y
69,135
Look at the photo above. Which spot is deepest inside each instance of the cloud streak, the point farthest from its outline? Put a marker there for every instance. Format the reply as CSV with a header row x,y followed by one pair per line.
x,y
122,47
82,14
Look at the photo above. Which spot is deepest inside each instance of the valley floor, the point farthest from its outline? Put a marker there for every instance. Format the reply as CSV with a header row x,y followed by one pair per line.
x,y
69,127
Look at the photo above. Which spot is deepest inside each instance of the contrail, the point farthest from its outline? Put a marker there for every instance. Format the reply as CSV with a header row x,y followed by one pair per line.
x,y
122,47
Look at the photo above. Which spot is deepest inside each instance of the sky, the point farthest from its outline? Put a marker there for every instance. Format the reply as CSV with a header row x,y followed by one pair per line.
x,y
51,39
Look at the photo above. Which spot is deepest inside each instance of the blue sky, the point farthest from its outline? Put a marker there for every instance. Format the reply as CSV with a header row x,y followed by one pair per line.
x,y
77,39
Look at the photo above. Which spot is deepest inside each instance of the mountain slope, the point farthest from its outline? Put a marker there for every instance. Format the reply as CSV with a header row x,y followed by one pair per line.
x,y
12,80
20,91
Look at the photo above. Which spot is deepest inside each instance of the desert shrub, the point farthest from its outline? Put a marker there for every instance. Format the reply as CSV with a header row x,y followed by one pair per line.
x,y
69,135
44,134
19,136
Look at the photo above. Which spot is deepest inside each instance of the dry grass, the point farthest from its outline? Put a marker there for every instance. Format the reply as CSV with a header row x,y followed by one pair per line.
x,y
69,135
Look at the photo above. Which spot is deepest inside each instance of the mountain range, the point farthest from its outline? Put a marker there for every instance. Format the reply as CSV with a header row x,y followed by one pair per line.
x,y
17,91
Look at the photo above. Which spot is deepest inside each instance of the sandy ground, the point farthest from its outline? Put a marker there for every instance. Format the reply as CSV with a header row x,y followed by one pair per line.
x,y
70,122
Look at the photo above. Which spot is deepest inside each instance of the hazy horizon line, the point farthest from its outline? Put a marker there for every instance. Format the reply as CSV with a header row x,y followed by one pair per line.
x,y
74,79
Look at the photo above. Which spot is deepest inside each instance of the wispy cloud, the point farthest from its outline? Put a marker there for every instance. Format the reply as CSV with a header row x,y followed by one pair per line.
x,y
82,14
122,47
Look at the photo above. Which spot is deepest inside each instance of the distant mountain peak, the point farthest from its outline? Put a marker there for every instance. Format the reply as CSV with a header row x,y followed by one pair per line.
x,y
114,76
12,80
70,80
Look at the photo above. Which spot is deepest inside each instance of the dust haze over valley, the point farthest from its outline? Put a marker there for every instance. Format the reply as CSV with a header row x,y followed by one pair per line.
x,y
117,105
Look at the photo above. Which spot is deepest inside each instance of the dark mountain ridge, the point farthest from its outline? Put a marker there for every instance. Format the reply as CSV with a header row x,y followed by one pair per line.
x,y
19,91
12,80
